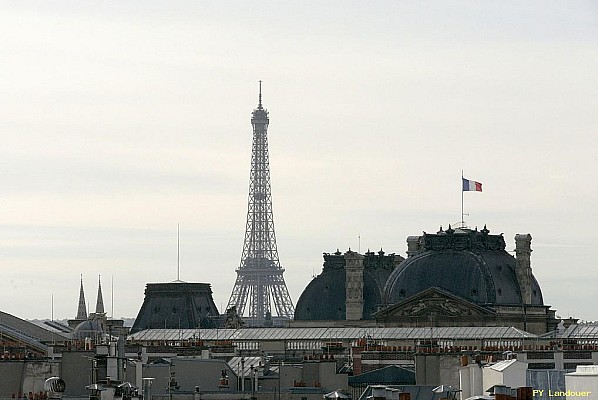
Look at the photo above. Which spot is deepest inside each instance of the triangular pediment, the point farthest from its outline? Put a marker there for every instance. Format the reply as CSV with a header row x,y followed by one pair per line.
x,y
434,301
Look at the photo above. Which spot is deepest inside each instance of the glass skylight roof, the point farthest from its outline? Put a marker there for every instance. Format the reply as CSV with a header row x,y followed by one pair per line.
x,y
584,331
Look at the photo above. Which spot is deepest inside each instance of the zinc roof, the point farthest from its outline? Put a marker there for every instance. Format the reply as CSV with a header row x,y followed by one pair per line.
x,y
330,333
582,331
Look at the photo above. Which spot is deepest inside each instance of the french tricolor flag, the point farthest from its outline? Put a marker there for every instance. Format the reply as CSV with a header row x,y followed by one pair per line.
x,y
471,186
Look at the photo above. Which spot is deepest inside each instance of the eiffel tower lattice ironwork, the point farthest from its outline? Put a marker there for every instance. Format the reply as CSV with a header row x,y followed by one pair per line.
x,y
260,276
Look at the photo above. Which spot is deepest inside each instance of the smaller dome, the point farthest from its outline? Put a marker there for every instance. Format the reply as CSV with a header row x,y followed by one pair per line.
x,y
88,329
324,298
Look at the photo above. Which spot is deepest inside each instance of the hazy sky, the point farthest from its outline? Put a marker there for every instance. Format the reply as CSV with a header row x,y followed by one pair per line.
x,y
120,119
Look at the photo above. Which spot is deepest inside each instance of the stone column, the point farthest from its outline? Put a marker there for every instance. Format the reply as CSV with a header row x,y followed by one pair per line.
x,y
353,285
523,268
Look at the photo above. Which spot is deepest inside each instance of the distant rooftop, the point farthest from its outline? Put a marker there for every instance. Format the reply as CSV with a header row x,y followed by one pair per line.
x,y
37,331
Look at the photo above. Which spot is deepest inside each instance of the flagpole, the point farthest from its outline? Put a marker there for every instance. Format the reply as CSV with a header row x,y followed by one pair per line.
x,y
462,219
178,254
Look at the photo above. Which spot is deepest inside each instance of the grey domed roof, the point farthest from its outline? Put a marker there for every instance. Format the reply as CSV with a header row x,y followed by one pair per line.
x,y
324,296
88,329
471,264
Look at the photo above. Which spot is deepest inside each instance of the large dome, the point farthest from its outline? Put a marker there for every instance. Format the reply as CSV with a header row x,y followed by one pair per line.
x,y
468,263
324,297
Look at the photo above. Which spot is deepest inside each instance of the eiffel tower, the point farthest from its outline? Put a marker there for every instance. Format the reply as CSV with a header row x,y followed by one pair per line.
x,y
259,276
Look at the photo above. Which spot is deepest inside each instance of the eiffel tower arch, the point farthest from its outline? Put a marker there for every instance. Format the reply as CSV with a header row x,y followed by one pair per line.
x,y
260,280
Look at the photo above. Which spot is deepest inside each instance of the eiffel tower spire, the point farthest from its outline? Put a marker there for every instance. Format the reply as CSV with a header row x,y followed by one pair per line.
x,y
259,276
82,309
100,301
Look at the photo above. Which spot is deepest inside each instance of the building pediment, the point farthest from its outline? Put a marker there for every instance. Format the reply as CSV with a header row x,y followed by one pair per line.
x,y
433,301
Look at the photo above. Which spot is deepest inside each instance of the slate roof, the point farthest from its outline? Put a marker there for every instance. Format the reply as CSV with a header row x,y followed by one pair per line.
x,y
471,264
324,296
17,326
176,305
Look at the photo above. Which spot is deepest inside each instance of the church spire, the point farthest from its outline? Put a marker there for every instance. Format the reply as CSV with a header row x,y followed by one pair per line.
x,y
100,302
82,309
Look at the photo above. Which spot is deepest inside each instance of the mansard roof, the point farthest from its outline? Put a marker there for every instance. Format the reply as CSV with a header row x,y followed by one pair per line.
x,y
177,305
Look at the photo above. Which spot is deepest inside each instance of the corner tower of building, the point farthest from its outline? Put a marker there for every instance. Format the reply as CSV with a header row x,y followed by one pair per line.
x,y
353,285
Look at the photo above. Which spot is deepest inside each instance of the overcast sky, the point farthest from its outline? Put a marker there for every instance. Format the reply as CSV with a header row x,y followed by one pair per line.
x,y
121,119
